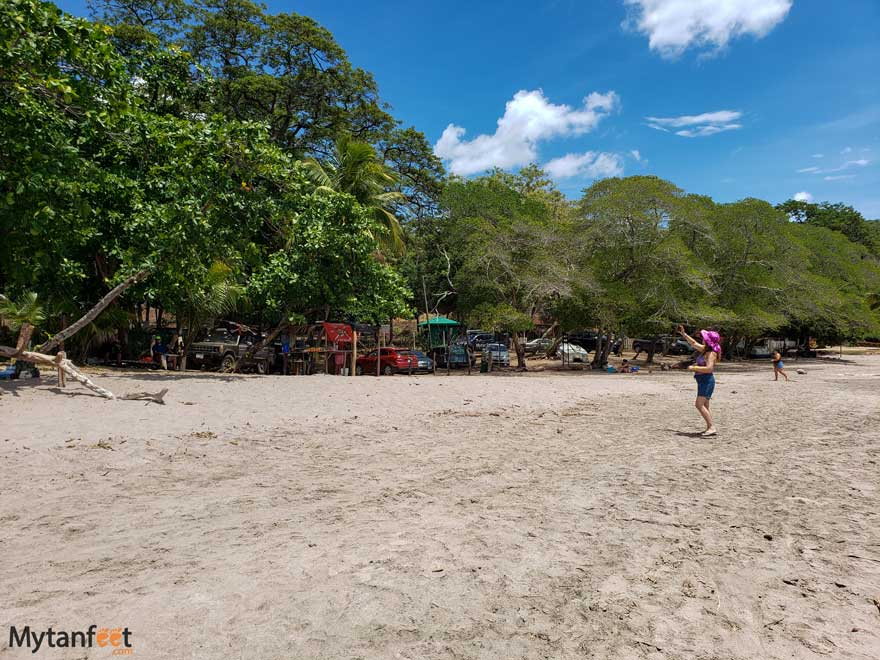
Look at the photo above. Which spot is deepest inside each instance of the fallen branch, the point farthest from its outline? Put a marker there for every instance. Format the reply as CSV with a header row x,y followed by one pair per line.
x,y
59,362
158,397
93,313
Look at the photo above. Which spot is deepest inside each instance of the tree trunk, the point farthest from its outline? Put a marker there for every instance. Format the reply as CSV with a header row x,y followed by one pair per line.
x,y
606,351
93,313
24,337
652,348
600,348
520,353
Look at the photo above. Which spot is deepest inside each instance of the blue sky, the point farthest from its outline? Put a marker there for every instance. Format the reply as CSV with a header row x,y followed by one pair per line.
x,y
729,98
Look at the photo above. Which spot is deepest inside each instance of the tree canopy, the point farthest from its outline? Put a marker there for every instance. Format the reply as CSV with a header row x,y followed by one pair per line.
x,y
239,158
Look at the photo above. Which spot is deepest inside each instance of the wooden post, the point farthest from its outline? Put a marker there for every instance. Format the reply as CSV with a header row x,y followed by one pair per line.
x,y
354,351
379,352
60,356
447,336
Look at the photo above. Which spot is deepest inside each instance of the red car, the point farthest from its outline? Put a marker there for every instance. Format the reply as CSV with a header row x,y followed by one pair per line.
x,y
393,360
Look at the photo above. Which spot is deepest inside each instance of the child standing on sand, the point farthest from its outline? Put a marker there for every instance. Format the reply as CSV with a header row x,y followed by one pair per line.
x,y
778,366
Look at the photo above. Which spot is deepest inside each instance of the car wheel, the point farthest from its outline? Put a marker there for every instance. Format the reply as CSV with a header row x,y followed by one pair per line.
x,y
227,364
358,370
388,370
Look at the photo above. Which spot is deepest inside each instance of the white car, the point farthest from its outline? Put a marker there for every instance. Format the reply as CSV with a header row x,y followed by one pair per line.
x,y
572,352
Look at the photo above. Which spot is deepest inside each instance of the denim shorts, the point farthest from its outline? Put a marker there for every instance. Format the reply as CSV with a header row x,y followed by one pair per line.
x,y
705,385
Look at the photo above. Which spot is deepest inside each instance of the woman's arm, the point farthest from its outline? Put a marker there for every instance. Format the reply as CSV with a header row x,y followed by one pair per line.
x,y
690,340
710,365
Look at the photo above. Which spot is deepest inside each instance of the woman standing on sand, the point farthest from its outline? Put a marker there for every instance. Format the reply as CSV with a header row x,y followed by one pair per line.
x,y
778,366
708,353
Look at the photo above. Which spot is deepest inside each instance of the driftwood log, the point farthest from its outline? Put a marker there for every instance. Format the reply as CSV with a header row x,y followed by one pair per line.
x,y
158,397
59,361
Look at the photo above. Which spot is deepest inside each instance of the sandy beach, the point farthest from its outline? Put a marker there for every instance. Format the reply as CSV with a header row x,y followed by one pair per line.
x,y
541,515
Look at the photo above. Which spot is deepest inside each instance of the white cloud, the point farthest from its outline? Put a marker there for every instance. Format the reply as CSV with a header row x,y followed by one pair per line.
x,y
635,154
591,165
840,177
528,119
708,123
672,26
803,196
818,155
846,150
704,131
861,162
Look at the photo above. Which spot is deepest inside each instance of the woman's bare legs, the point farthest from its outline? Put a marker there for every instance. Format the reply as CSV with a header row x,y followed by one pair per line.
x,y
702,406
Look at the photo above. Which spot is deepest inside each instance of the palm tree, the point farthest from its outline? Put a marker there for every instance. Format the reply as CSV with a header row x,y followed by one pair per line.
x,y
354,168
26,311
21,316
202,304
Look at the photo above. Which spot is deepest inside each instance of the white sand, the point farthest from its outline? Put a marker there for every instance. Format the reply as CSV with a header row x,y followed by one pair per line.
x,y
539,516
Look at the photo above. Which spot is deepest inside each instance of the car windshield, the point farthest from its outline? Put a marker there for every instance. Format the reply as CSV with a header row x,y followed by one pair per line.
x,y
496,347
218,336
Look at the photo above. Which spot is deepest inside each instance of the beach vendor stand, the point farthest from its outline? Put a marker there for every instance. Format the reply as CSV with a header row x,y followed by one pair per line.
x,y
440,332
329,348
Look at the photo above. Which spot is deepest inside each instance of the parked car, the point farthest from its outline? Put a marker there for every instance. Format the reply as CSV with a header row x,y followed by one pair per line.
x,y
760,351
540,345
392,361
224,349
425,364
500,354
680,347
570,352
586,339
660,344
477,339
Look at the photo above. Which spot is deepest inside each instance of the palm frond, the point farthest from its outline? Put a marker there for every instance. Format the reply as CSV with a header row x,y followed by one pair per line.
x,y
26,310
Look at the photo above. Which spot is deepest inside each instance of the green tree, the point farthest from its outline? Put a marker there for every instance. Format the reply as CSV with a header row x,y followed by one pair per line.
x,y
510,262
321,259
838,217
354,168
645,276
287,70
